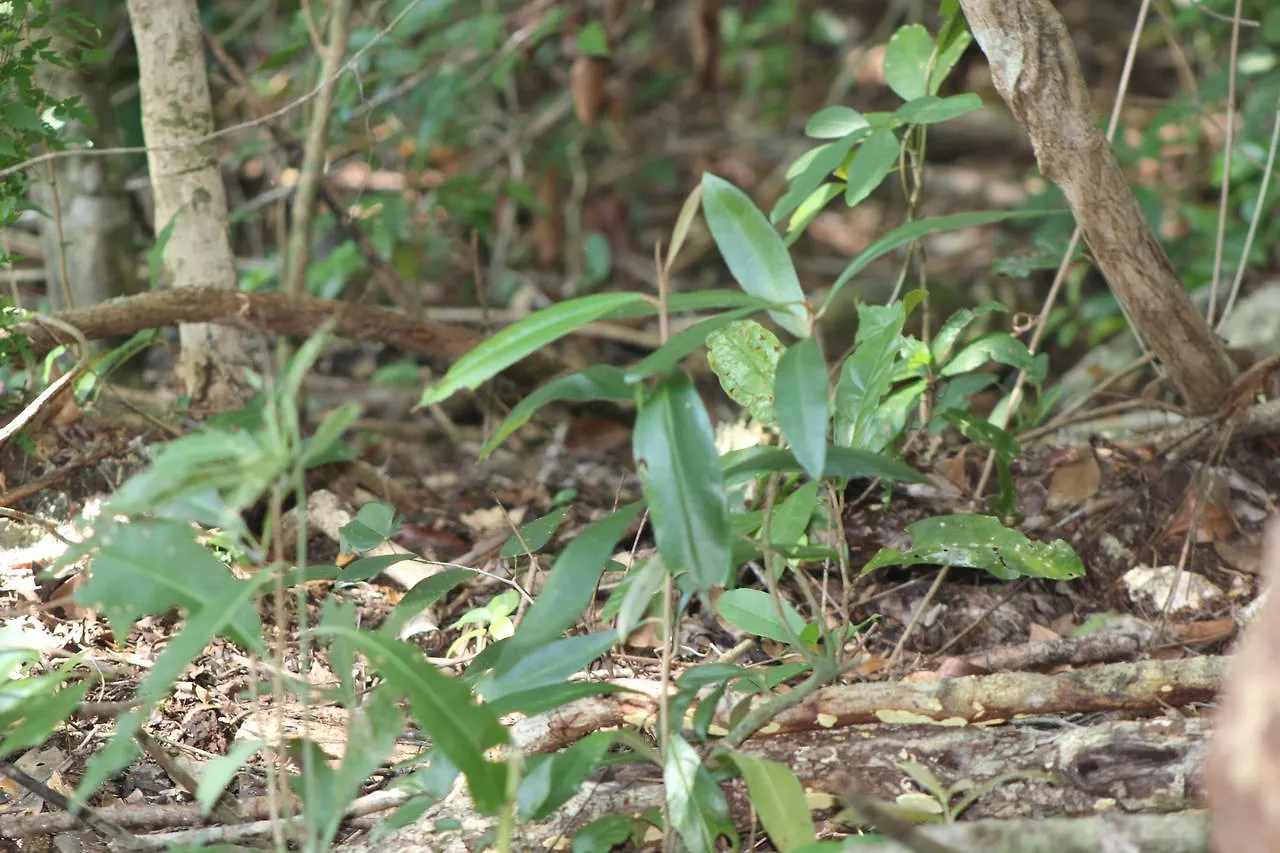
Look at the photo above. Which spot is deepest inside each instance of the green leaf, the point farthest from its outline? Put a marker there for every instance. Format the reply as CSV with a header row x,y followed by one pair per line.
x,y
218,772
523,338
982,542
871,165
534,535
675,451
641,586
803,185
548,698
930,109
593,40
993,346
834,122
425,593
546,665
443,708
791,518
745,356
906,60
681,344
696,806
944,342
553,779
570,586
375,522
779,800
918,228
370,567
598,382
866,377
753,251
208,621
803,403
603,834
145,568
41,715
810,208
953,39
753,611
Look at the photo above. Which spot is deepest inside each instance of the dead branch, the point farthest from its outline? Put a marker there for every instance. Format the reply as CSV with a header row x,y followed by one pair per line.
x,y
279,314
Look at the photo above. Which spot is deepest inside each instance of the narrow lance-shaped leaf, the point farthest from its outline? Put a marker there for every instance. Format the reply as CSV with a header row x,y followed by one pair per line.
x,y
803,404
674,447
523,338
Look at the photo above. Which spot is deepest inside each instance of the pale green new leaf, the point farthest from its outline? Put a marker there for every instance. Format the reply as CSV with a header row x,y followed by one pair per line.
x,y
779,800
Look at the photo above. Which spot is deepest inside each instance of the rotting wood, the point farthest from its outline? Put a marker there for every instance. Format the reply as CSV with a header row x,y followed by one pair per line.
x,y
1150,765
1035,69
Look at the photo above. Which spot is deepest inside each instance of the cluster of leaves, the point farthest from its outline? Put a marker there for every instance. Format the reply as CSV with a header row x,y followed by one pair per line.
x,y
709,513
29,115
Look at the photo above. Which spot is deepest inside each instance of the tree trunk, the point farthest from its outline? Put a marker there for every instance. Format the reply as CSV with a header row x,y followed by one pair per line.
x,y
1035,69
88,232
177,118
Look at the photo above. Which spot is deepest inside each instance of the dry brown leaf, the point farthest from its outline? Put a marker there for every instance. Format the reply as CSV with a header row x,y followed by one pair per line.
x,y
1075,482
586,84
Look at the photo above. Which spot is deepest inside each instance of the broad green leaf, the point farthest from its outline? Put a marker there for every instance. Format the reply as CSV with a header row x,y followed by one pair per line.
x,y
548,698
819,169
147,567
375,522
370,567
745,356
546,665
834,122
425,593
866,377
918,228
443,708
570,586
523,338
906,60
754,611
810,208
534,535
930,109
981,542
753,251
675,451
801,163
993,346
696,806
603,834
803,403
1005,445
779,800
944,342
41,715
896,410
871,164
598,382
681,344
210,619
553,779
791,518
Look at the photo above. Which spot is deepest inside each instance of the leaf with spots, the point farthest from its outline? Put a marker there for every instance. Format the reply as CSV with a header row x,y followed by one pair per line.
x,y
981,542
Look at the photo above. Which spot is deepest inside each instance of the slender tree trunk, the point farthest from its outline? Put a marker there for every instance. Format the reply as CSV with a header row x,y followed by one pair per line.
x,y
88,233
177,118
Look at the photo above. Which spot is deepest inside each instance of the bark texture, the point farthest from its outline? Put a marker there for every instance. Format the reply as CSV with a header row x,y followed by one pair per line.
x,y
177,118
1035,69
